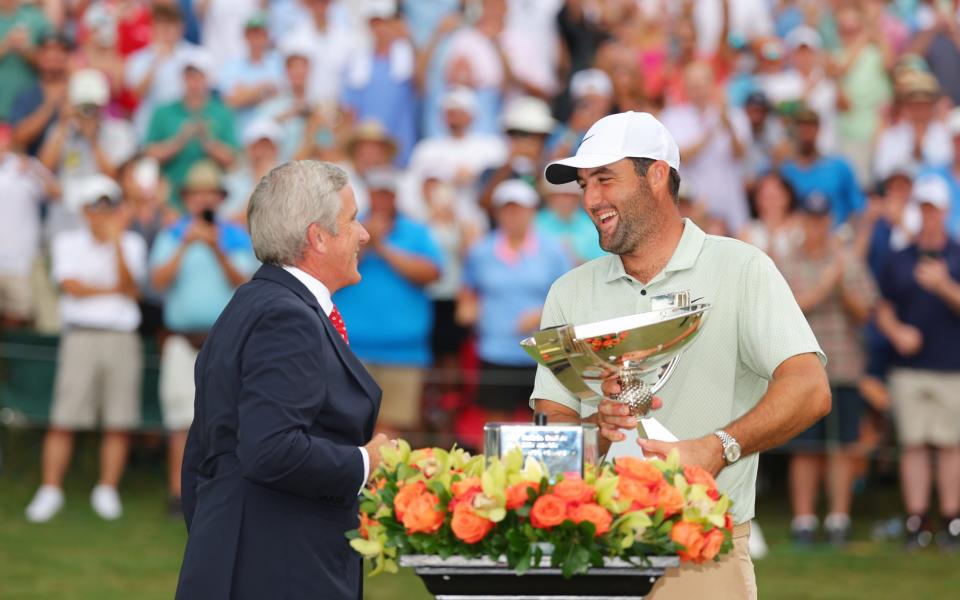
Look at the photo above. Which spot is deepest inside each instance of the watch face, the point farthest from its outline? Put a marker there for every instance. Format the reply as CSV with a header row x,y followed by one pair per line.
x,y
732,453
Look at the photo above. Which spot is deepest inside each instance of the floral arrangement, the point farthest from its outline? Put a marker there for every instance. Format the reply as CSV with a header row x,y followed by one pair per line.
x,y
449,503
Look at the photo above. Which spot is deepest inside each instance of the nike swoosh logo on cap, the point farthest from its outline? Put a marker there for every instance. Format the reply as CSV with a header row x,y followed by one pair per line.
x,y
584,140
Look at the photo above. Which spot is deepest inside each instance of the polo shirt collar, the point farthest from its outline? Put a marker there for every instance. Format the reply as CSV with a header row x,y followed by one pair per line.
x,y
684,256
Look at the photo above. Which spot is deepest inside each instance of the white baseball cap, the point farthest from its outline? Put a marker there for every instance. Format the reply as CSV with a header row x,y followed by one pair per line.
x,y
804,36
199,59
297,45
932,189
516,191
88,189
615,137
262,128
528,114
590,82
460,98
88,86
380,9
549,189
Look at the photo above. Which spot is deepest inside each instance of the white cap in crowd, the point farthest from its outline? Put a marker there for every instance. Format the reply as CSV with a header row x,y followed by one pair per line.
x,y
296,45
381,179
549,189
262,129
804,35
199,59
529,114
89,189
88,86
932,189
460,98
615,137
515,191
590,82
380,9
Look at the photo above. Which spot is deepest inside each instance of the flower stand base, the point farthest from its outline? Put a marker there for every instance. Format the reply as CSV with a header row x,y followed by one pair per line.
x,y
458,578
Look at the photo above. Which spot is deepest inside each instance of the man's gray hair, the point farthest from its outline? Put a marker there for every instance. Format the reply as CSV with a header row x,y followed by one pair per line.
x,y
286,202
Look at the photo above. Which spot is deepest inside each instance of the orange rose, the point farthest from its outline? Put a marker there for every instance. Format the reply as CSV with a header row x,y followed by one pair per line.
x,y
548,511
639,469
575,490
594,513
640,496
694,474
690,536
459,488
365,522
422,514
517,494
468,526
670,500
711,546
406,495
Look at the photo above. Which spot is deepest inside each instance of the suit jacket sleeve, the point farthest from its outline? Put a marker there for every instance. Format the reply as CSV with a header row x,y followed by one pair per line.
x,y
283,388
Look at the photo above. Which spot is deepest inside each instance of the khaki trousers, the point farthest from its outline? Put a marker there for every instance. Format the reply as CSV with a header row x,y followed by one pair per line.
x,y
730,578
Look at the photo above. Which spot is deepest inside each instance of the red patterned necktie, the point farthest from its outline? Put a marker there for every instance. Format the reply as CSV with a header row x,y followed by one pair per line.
x,y
337,319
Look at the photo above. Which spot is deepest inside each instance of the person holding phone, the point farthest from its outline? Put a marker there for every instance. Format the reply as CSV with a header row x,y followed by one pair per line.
x,y
196,263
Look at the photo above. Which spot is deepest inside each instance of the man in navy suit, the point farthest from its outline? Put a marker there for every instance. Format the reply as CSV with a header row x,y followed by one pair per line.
x,y
280,445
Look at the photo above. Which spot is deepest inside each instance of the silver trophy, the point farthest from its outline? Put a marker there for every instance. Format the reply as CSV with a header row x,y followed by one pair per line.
x,y
641,350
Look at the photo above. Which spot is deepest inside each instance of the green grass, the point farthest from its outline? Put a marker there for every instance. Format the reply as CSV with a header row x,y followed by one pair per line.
x,y
79,556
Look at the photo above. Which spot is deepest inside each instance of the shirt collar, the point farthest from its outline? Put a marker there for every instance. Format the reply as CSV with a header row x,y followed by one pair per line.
x,y
316,288
506,253
684,256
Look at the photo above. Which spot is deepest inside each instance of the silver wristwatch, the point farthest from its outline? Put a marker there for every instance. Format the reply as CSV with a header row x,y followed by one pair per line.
x,y
731,447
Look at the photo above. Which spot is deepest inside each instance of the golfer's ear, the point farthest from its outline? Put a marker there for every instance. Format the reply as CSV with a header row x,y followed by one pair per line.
x,y
658,175
317,237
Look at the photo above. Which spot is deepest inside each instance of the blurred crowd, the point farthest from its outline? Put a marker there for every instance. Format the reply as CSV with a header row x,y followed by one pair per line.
x,y
132,133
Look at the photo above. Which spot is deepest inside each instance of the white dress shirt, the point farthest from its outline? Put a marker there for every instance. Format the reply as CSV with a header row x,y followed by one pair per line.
x,y
326,303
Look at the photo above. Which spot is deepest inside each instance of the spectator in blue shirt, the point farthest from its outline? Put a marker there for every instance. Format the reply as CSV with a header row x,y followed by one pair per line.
x,y
389,314
920,315
506,279
810,172
380,81
197,263
563,219
247,81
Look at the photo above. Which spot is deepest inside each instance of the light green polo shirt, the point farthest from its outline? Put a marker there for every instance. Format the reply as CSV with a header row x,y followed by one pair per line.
x,y
753,326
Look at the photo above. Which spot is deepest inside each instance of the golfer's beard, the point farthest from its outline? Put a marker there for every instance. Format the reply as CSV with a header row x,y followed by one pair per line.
x,y
637,224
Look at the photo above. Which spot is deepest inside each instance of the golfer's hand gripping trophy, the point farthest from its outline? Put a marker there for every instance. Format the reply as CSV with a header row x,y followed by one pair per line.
x,y
640,350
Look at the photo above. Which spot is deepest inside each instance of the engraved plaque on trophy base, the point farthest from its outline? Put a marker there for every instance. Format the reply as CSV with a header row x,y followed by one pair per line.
x,y
563,448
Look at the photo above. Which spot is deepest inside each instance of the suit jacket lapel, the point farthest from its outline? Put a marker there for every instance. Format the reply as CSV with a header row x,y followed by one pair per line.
x,y
347,357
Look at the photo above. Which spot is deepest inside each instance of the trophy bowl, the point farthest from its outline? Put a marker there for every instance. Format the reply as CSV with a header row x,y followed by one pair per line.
x,y
642,350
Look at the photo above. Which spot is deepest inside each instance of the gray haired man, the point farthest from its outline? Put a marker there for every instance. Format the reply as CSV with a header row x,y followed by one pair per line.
x,y
282,438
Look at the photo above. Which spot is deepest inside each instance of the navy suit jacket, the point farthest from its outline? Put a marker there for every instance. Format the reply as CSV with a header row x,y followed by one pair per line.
x,y
272,466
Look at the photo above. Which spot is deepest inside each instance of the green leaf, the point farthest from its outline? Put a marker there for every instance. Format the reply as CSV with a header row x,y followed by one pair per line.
x,y
369,548
405,472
